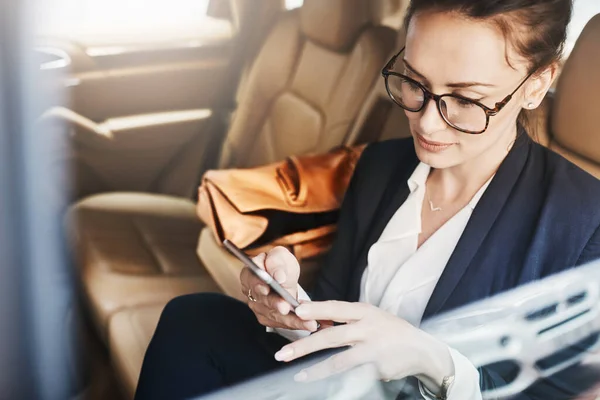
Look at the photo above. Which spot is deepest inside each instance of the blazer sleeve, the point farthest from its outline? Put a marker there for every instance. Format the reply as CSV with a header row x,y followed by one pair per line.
x,y
334,273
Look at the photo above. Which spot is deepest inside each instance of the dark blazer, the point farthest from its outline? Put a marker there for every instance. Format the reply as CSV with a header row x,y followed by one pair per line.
x,y
540,215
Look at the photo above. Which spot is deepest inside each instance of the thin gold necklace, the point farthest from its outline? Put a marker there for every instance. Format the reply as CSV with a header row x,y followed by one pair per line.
x,y
431,206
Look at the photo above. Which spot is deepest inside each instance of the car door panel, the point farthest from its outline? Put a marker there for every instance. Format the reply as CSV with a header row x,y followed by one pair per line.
x,y
139,148
143,107
160,80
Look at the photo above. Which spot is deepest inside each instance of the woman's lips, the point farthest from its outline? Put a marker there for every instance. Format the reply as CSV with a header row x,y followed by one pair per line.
x,y
434,147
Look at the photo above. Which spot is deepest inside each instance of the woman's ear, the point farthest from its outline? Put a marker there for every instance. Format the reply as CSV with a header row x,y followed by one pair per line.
x,y
538,86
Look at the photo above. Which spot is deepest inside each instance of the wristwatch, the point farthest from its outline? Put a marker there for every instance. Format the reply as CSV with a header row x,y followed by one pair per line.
x,y
444,389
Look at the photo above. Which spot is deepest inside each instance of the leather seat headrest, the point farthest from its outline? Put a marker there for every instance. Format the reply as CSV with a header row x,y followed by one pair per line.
x,y
334,24
575,124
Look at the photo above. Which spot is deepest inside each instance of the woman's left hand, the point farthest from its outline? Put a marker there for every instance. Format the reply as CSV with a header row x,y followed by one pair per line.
x,y
394,346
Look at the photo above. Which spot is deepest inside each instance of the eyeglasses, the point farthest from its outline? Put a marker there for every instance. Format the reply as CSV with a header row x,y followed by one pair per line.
x,y
461,113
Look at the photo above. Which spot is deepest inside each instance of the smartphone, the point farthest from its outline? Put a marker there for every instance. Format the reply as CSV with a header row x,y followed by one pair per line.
x,y
261,273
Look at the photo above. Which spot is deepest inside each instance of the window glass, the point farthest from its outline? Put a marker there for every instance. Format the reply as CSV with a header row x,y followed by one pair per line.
x,y
583,11
291,4
115,21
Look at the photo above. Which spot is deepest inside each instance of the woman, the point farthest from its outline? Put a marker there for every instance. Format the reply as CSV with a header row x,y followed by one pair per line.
x,y
467,208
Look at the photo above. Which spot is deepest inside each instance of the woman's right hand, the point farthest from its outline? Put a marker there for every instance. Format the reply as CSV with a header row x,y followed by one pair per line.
x,y
270,309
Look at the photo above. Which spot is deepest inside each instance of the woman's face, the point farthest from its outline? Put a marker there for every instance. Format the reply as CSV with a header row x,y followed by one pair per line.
x,y
448,53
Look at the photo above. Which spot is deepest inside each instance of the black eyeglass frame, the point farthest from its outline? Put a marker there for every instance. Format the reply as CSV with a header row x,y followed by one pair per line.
x,y
489,112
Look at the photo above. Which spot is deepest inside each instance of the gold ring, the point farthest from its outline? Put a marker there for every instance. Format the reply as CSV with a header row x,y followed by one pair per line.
x,y
250,297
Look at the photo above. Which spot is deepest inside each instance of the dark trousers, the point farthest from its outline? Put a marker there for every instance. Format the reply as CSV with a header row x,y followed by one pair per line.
x,y
205,342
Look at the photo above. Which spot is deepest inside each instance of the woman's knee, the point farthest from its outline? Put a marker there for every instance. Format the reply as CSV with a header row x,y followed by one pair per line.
x,y
202,310
193,304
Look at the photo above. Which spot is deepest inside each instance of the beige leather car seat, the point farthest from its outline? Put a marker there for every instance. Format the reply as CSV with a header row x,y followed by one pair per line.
x,y
574,127
308,83
137,248
304,91
378,119
325,88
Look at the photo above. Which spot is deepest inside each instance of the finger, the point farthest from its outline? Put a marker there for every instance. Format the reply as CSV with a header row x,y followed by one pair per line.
x,y
251,281
282,306
259,260
335,364
247,278
292,324
339,336
325,324
337,311
271,318
283,266
262,289
275,302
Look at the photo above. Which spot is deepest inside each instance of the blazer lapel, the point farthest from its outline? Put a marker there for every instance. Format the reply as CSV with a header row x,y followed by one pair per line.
x,y
394,196
480,223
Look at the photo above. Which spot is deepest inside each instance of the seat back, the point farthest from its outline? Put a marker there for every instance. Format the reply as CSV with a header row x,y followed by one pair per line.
x,y
380,118
574,125
307,83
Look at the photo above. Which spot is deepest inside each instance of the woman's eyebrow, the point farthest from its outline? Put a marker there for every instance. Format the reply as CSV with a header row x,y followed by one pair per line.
x,y
414,71
457,85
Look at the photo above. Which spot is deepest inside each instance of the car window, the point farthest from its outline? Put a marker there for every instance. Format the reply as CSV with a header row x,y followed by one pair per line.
x,y
583,11
291,4
116,21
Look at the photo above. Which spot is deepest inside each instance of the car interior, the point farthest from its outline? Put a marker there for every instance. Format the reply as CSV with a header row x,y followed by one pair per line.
x,y
260,81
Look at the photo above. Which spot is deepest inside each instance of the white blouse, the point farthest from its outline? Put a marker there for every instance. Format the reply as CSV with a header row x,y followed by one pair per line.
x,y
400,278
